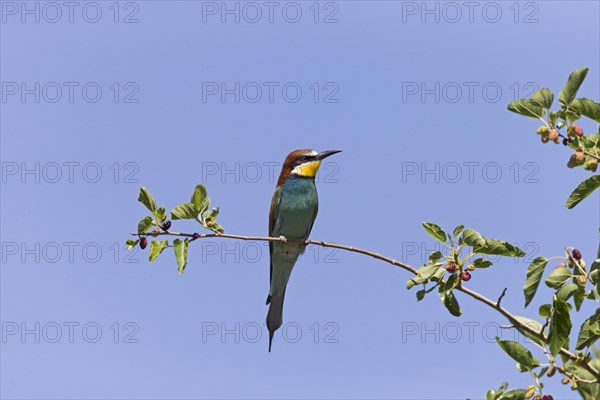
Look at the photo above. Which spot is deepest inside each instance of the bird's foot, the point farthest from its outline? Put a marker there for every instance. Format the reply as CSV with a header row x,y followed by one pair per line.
x,y
283,238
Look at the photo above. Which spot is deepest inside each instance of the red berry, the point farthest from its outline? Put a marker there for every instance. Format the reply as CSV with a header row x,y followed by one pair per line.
x,y
451,267
577,130
195,236
547,397
465,276
143,243
166,225
576,254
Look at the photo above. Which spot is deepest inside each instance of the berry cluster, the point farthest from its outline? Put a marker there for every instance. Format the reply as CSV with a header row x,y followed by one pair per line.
x,y
465,275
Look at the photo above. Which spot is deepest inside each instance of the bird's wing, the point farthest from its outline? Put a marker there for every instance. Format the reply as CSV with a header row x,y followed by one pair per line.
x,y
272,213
314,216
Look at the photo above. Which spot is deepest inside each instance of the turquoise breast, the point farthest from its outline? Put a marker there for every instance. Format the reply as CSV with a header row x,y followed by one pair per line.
x,y
296,208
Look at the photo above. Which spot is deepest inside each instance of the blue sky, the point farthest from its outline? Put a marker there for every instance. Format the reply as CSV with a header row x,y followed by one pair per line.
x,y
99,99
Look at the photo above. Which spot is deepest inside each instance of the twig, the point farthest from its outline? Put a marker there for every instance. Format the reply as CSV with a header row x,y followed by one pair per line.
x,y
493,304
500,298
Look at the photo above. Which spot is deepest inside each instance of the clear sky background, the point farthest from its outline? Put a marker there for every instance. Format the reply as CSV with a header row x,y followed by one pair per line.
x,y
385,81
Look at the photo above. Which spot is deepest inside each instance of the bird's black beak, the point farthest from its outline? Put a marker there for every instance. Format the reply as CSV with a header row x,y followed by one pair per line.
x,y
325,154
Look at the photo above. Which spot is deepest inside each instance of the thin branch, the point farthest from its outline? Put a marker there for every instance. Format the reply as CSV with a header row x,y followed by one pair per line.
x,y
493,304
500,298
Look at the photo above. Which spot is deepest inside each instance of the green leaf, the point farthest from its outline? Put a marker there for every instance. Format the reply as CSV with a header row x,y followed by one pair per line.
x,y
567,291
534,275
569,91
499,248
560,326
146,199
157,247
435,231
144,224
435,256
449,300
589,332
519,353
582,191
423,274
527,108
513,394
559,276
130,243
531,324
471,238
184,211
209,218
199,198
545,310
587,107
181,251
543,98
481,263
495,394
458,230
160,214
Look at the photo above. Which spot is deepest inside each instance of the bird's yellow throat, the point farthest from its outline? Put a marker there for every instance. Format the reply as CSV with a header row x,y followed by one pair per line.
x,y
308,170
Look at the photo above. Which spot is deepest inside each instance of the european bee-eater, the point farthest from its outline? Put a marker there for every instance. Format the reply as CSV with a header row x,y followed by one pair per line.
x,y
293,211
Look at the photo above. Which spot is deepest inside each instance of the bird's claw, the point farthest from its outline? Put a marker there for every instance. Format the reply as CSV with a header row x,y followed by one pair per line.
x,y
283,238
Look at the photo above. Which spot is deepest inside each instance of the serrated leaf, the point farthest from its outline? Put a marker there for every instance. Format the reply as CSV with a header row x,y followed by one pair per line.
x,y
449,300
560,326
199,198
184,211
130,243
458,230
181,251
481,263
144,224
471,238
545,310
157,247
209,218
423,274
558,277
567,291
498,248
587,107
534,276
160,214
582,191
513,394
531,324
435,256
527,108
519,353
435,231
569,91
147,199
543,97
589,332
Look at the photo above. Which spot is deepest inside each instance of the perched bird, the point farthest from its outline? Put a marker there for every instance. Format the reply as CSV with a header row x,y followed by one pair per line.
x,y
293,211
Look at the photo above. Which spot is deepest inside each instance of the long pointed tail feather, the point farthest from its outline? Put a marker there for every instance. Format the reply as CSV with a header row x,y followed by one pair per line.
x,y
275,315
